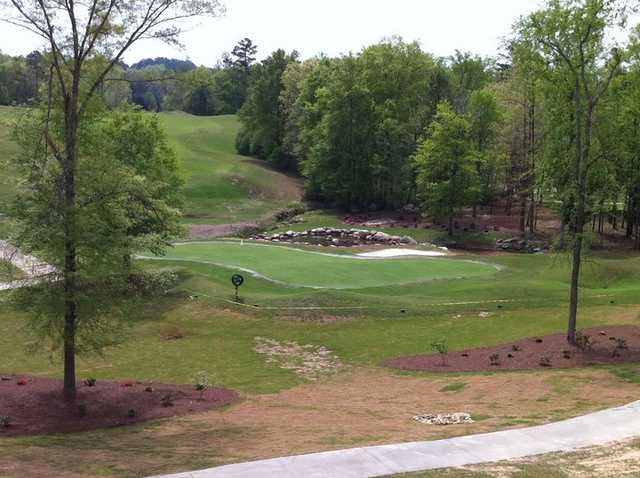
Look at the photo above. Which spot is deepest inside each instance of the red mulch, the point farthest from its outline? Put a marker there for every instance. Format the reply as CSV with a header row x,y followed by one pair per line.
x,y
38,407
531,350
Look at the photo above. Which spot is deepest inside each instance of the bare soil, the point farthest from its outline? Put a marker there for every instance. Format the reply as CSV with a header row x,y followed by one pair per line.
x,y
211,231
551,351
35,405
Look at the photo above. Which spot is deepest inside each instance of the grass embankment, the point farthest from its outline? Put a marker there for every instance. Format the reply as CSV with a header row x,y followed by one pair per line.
x,y
222,187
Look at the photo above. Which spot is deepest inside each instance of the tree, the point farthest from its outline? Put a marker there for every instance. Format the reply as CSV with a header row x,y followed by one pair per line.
x,y
85,40
244,54
447,176
484,115
261,116
572,37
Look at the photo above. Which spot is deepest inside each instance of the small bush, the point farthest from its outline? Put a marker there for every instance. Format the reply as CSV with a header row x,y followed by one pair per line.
x,y
566,354
131,413
90,382
545,361
584,342
5,421
442,348
516,348
152,283
148,389
290,212
494,360
167,399
621,343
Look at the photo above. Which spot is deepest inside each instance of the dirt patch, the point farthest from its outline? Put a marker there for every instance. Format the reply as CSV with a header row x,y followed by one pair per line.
x,y
613,460
35,405
611,345
210,231
308,361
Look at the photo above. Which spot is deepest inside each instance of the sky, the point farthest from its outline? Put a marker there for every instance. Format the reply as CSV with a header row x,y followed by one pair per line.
x,y
329,26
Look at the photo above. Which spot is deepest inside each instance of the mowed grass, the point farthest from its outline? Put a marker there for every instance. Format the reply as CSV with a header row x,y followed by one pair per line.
x,y
297,267
222,187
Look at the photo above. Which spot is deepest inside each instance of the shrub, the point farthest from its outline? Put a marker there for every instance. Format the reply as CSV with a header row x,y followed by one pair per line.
x,y
545,361
5,421
584,342
291,211
90,382
152,283
442,348
202,383
494,359
516,348
167,399
148,389
131,413
621,343
566,354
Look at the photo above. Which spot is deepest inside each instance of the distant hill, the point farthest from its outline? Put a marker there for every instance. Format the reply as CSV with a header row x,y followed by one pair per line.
x,y
172,64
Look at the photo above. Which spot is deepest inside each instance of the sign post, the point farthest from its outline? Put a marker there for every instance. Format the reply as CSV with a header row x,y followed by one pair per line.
x,y
237,280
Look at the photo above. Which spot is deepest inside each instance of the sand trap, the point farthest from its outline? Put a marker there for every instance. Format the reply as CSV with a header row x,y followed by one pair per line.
x,y
402,253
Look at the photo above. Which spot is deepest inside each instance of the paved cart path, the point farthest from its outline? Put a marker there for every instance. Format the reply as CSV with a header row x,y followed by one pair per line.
x,y
598,428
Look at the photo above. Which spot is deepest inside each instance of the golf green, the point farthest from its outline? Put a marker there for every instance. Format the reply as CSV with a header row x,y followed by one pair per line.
x,y
302,268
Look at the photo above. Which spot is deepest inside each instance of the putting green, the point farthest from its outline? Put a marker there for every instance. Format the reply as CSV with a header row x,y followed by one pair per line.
x,y
298,267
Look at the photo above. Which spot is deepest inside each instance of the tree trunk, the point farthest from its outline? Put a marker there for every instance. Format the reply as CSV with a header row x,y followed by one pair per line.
x,y
70,258
582,158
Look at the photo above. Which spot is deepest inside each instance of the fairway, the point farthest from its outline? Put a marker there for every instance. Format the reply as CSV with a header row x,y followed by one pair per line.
x,y
303,268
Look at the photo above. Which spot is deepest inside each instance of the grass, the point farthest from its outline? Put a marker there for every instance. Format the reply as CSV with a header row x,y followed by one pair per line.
x,y
313,269
366,312
454,387
222,187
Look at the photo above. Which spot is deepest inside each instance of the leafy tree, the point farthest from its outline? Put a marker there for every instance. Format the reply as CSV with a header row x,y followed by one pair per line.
x,y
446,165
86,41
484,116
571,37
261,116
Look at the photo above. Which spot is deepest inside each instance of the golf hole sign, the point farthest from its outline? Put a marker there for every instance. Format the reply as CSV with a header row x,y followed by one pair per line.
x,y
237,280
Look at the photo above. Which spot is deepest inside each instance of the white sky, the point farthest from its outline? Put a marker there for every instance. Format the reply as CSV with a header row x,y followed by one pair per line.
x,y
329,26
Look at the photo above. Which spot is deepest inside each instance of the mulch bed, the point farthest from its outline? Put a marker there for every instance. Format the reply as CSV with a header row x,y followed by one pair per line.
x,y
35,405
528,353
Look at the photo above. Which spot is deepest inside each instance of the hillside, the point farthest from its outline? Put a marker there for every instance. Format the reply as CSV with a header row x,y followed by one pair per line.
x,y
221,187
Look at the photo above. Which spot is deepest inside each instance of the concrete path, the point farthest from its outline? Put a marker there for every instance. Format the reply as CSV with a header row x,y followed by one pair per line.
x,y
29,265
595,429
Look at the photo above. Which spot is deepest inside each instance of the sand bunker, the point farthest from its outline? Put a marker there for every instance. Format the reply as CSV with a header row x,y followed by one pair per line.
x,y
385,253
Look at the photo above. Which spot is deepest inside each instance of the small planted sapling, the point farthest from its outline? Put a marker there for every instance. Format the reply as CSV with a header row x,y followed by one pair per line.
x,y
441,347
202,383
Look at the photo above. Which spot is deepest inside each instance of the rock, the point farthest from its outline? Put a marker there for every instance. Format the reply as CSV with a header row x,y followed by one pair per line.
x,y
381,237
445,419
408,240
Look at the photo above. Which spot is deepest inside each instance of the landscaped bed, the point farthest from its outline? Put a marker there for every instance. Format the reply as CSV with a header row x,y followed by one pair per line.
x,y
35,405
600,346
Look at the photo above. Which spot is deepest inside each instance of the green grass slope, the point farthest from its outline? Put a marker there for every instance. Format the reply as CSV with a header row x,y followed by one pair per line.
x,y
222,187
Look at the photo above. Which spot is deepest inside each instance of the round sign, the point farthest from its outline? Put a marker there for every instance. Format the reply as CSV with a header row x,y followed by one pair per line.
x,y
237,280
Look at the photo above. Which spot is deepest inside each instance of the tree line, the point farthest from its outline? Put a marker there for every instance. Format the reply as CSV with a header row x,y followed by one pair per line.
x,y
155,84
393,125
